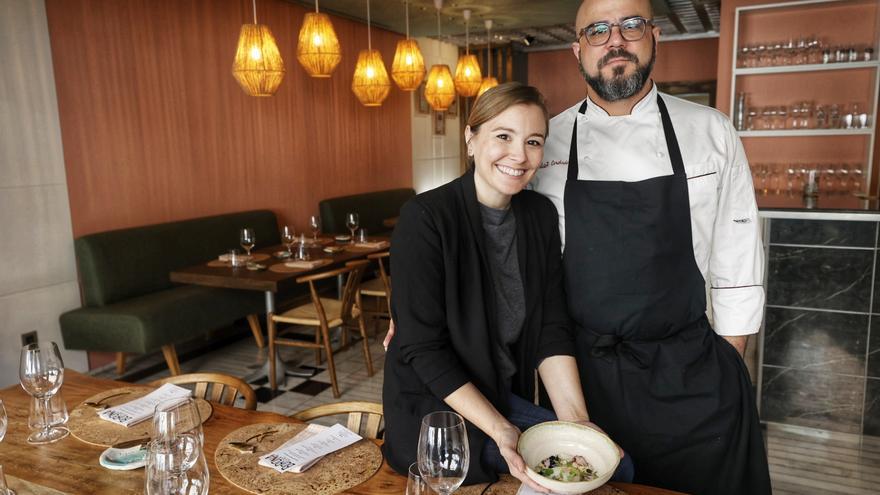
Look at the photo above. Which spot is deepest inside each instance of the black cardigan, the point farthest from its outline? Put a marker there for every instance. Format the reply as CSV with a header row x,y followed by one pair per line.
x,y
443,308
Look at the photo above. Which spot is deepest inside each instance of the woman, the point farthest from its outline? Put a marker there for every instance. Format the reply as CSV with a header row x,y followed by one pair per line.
x,y
477,297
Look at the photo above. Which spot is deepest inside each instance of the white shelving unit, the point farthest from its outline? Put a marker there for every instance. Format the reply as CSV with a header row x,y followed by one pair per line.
x,y
800,8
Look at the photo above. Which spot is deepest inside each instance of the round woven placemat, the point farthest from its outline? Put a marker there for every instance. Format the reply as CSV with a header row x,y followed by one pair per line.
x,y
85,425
334,473
508,485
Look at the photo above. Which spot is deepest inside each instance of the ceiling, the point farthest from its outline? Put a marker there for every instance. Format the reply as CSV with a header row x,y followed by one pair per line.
x,y
527,24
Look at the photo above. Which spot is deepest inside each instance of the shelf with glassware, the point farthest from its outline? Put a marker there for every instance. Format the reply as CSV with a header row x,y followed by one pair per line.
x,y
783,69
817,84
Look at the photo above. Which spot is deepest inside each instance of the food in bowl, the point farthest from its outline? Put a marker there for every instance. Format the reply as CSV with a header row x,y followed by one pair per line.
x,y
569,468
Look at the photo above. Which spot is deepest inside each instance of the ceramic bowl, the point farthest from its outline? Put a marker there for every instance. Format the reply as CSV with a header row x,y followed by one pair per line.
x,y
558,437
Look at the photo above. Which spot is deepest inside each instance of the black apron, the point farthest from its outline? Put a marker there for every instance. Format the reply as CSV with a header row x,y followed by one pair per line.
x,y
676,396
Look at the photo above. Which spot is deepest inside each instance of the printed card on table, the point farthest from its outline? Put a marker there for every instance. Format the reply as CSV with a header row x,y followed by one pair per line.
x,y
138,410
308,447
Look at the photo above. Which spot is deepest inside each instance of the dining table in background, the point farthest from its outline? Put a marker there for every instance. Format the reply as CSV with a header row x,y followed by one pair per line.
x,y
71,466
269,282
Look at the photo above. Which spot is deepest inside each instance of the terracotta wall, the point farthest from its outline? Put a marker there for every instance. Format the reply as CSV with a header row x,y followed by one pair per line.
x,y
155,128
556,74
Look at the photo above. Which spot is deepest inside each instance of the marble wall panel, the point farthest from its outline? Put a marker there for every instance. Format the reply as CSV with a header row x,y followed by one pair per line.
x,y
820,278
823,233
874,348
872,408
812,399
816,341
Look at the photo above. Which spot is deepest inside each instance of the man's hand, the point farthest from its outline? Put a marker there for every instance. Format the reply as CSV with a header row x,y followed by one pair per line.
x,y
506,437
387,341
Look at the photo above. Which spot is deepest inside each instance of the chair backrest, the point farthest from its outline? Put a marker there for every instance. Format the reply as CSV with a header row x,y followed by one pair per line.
x,y
384,273
215,387
364,418
350,293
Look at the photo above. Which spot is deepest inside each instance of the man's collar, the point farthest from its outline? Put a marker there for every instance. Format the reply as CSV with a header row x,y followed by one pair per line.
x,y
643,105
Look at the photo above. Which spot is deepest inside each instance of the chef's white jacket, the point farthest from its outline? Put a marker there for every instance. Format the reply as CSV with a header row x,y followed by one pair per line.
x,y
724,216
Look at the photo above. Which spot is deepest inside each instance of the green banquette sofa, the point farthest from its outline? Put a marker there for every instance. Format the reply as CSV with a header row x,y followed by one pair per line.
x,y
131,306
373,208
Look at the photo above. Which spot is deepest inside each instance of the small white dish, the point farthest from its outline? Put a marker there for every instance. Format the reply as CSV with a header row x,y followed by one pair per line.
x,y
281,254
124,459
343,238
558,437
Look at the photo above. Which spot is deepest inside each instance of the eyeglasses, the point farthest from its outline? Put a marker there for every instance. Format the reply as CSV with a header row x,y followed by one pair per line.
x,y
631,29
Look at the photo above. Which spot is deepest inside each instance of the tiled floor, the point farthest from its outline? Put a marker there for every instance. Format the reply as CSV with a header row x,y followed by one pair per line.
x,y
802,462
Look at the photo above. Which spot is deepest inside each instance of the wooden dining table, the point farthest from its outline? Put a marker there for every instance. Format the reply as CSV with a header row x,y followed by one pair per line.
x,y
70,466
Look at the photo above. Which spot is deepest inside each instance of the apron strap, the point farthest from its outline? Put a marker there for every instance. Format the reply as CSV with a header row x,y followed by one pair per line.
x,y
572,149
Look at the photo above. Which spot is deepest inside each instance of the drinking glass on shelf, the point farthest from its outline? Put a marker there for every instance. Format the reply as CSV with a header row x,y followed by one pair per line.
x,y
315,225
41,372
415,485
248,240
443,454
855,177
287,238
352,221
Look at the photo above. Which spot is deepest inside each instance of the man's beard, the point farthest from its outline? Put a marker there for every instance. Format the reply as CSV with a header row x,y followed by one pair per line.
x,y
620,87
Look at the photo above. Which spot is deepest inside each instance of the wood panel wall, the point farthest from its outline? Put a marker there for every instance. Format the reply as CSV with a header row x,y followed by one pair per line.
x,y
556,74
155,128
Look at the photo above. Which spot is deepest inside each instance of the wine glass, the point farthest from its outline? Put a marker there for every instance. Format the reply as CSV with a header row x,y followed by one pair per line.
x,y
443,453
315,225
41,372
415,485
351,221
4,421
287,238
248,240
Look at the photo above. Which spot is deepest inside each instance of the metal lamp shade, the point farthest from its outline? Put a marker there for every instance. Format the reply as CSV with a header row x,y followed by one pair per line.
x,y
488,83
440,90
258,66
370,83
468,76
318,48
408,68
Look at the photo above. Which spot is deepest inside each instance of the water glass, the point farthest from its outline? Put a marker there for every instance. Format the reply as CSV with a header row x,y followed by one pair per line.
x,y
443,453
352,220
415,485
362,235
173,418
41,372
315,225
57,413
176,466
4,488
247,239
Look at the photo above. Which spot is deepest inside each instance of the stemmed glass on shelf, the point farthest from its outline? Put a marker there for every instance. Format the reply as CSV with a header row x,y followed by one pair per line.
x,y
41,372
443,454
248,240
288,238
352,221
315,225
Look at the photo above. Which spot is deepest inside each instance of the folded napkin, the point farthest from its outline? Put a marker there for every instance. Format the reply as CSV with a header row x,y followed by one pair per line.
x,y
525,489
306,265
138,410
308,447
225,257
373,244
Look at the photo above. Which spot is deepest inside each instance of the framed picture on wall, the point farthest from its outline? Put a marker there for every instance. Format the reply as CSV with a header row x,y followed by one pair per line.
x,y
420,102
452,111
439,124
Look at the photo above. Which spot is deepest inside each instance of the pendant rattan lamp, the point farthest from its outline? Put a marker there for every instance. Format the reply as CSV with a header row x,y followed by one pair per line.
x,y
370,82
467,73
318,48
258,66
439,90
489,82
408,68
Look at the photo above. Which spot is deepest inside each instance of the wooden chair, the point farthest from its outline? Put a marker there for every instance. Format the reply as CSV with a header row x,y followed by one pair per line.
x,y
380,289
368,413
324,313
215,387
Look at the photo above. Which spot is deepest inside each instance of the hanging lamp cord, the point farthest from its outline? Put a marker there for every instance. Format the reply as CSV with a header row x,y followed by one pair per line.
x,y
317,9
405,6
369,38
255,11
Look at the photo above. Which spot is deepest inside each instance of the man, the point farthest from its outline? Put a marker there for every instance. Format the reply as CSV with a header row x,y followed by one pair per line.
x,y
655,198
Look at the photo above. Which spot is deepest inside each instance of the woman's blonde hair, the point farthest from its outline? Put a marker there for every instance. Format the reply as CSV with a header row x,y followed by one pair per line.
x,y
500,98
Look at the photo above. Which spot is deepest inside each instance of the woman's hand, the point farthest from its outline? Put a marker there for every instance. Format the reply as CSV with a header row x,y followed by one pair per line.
x,y
387,341
506,437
